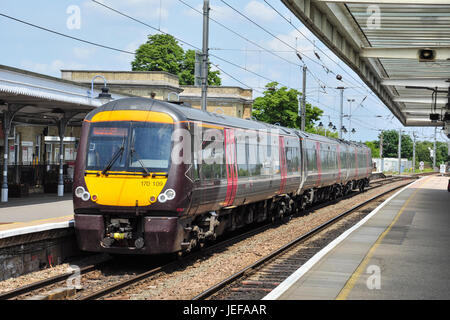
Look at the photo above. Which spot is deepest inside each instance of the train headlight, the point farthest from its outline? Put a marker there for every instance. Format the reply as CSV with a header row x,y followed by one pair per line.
x,y
162,198
79,192
170,194
86,196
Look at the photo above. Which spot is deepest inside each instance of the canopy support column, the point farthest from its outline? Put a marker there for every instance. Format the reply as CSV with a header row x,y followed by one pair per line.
x,y
62,125
8,116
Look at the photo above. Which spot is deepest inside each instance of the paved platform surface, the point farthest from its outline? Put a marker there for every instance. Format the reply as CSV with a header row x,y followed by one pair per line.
x,y
35,210
401,251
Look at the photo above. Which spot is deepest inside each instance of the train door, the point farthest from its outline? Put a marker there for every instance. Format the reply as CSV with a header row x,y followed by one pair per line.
x,y
319,163
339,164
344,150
231,166
212,169
283,171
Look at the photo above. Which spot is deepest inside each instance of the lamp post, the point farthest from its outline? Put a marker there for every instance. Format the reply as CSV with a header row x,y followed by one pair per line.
x,y
350,101
341,111
321,127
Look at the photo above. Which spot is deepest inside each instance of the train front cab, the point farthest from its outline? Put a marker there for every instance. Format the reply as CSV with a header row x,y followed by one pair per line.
x,y
127,197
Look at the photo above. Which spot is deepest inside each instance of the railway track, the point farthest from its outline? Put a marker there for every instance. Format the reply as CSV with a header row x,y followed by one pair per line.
x,y
49,282
261,277
154,272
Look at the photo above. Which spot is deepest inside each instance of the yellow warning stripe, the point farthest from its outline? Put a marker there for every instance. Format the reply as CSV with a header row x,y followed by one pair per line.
x,y
343,294
132,115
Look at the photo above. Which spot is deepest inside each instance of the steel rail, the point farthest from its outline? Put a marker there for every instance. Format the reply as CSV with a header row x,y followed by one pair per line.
x,y
159,270
219,286
47,282
95,295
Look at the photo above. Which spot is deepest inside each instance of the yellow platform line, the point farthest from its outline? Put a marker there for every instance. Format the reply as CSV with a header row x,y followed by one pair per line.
x,y
343,294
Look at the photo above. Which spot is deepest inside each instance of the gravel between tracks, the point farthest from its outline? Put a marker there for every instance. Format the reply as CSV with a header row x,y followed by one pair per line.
x,y
193,277
29,278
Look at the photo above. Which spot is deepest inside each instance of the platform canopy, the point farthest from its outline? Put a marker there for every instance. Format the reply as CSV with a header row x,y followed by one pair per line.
x,y
399,48
41,99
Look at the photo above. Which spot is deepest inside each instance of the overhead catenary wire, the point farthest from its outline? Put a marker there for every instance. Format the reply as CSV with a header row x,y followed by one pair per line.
x,y
239,35
290,46
312,42
125,51
133,53
66,35
187,43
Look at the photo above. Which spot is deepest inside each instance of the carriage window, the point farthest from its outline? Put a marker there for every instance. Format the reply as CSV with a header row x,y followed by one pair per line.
x,y
213,155
242,153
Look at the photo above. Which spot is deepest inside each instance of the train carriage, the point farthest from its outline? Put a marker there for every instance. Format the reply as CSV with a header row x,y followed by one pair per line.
x,y
154,177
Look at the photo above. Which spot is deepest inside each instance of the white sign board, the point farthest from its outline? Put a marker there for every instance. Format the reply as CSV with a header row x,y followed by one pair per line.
x,y
442,168
421,165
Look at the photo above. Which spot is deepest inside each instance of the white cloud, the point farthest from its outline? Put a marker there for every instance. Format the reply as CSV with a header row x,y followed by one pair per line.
x,y
83,53
53,68
222,12
259,11
148,10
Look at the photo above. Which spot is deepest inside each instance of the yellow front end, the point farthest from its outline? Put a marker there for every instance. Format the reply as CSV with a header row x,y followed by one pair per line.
x,y
123,191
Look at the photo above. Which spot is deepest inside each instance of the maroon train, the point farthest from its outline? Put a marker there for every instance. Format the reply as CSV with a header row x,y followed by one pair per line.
x,y
153,177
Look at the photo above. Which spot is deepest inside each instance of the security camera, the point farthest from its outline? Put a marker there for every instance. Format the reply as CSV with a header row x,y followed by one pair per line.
x,y
427,55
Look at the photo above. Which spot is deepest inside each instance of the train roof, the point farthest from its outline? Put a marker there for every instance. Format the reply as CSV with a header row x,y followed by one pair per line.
x,y
184,112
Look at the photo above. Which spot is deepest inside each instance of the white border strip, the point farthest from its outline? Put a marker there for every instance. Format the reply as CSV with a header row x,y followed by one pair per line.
x,y
286,284
35,229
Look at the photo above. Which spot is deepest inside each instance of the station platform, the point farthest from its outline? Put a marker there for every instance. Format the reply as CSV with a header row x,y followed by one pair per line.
x,y
35,213
398,251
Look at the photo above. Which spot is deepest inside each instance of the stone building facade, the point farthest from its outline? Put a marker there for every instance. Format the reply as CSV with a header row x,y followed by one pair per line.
x,y
232,101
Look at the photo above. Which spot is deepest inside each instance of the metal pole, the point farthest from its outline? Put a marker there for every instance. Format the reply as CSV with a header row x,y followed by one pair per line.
x,y
341,113
414,152
399,151
61,129
6,129
205,53
434,150
381,152
303,109
350,101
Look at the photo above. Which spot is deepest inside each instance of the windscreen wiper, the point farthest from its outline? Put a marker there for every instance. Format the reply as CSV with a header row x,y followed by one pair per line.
x,y
133,151
115,157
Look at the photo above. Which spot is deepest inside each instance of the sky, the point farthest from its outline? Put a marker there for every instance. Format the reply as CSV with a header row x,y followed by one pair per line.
x,y
250,56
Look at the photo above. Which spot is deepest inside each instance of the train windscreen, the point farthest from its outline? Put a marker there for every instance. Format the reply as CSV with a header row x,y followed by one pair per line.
x,y
129,146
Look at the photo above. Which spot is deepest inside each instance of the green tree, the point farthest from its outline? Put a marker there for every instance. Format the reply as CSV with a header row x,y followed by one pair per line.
x,y
423,152
280,105
162,52
374,147
390,145
187,75
323,132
